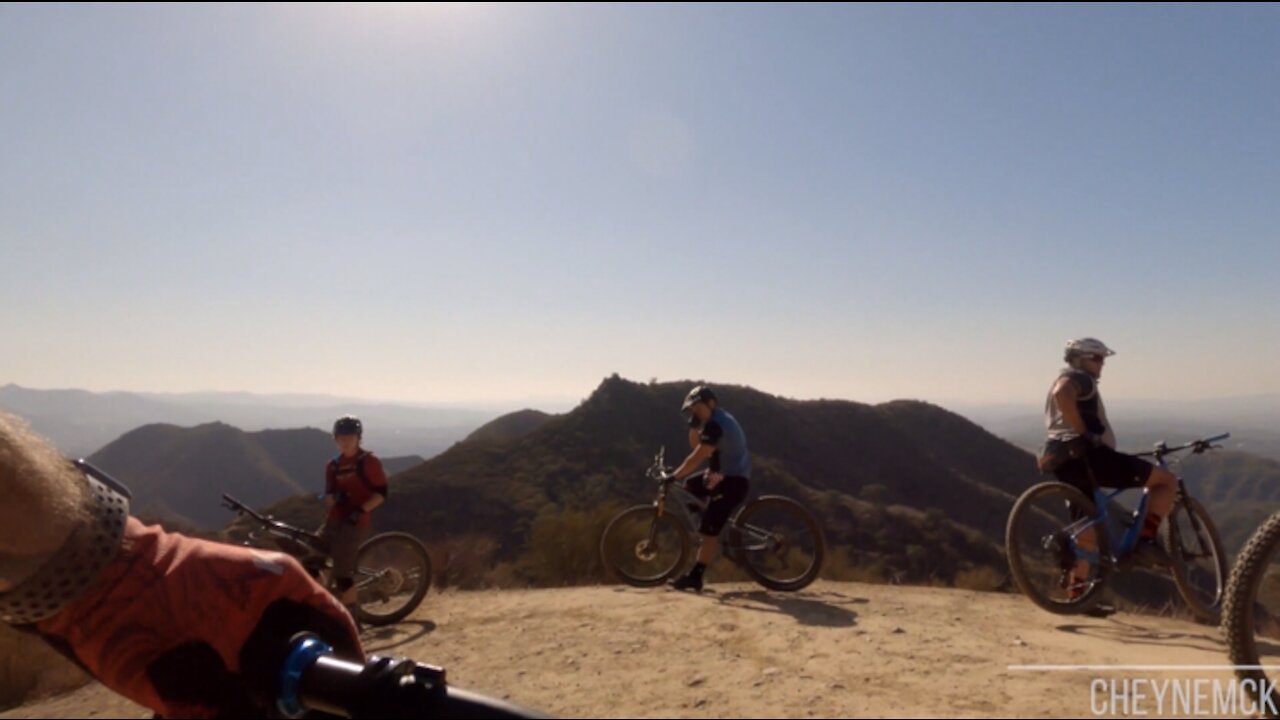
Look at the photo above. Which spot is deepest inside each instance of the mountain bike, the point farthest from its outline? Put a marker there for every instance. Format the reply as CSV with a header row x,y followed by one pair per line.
x,y
1043,542
312,679
393,570
773,538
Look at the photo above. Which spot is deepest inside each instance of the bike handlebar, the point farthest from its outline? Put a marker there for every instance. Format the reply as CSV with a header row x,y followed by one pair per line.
x,y
312,679
659,470
269,523
1196,447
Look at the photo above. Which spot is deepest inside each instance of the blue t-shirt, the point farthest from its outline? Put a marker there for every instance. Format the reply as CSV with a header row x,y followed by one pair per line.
x,y
724,433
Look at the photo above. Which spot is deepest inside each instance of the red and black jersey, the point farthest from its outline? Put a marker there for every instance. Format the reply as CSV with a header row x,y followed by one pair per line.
x,y
353,480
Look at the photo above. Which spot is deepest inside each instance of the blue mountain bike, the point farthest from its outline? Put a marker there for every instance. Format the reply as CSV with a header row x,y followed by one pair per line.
x,y
1054,529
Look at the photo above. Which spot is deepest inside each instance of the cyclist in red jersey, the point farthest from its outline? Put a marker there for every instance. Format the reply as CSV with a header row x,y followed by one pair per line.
x,y
355,485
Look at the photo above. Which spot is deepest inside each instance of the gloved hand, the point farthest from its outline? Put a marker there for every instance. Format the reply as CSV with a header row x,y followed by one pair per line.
x,y
190,628
354,517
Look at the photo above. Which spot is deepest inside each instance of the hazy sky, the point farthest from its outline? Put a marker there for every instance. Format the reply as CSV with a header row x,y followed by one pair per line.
x,y
488,203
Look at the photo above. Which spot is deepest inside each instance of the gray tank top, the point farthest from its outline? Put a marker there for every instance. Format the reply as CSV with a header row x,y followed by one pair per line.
x,y
1088,402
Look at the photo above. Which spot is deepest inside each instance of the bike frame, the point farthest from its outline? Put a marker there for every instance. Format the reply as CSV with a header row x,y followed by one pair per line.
x,y
672,491
311,541
1101,498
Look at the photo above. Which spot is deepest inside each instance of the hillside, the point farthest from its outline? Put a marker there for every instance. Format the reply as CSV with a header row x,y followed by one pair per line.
x,y
834,650
511,426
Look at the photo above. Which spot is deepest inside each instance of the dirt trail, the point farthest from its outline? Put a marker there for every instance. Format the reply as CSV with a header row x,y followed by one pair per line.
x,y
835,650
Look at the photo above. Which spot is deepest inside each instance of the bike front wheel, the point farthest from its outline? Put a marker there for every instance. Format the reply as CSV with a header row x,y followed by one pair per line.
x,y
778,542
643,548
1047,528
1199,560
393,574
1249,605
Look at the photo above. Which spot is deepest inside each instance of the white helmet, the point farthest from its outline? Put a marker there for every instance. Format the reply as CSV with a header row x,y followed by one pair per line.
x,y
1086,346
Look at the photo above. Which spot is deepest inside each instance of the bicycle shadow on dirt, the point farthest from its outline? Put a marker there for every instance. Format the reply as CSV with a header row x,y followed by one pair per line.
x,y
820,609
381,639
1129,633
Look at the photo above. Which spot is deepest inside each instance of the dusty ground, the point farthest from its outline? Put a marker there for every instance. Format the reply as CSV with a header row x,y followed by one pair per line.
x,y
835,650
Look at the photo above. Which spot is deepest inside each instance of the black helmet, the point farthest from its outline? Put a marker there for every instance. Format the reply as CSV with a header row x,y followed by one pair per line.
x,y
348,425
701,393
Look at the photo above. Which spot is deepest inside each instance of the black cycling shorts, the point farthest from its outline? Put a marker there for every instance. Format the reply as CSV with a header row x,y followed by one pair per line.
x,y
1111,469
727,495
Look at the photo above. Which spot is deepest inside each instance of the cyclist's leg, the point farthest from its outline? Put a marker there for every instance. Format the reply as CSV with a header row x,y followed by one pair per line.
x,y
1164,492
1116,469
344,546
1076,473
727,495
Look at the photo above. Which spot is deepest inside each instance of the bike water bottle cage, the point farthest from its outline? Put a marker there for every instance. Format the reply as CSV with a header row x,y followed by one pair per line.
x,y
75,565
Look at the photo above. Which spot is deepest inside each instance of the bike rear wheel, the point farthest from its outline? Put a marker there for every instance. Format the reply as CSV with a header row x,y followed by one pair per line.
x,y
1249,608
643,548
778,542
393,574
1041,542
1199,560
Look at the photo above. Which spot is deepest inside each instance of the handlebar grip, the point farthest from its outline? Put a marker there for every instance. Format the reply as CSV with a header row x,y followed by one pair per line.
x,y
1218,438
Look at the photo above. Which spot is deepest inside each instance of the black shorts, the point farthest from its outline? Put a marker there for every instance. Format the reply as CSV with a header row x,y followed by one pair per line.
x,y
727,495
1111,469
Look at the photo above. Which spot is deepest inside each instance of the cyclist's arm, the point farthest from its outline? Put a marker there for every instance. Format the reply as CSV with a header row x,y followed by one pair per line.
x,y
377,478
1065,394
330,485
699,455
694,439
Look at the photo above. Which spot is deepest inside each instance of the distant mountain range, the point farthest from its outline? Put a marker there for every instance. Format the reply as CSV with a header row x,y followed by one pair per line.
x,y
81,422
179,474
906,488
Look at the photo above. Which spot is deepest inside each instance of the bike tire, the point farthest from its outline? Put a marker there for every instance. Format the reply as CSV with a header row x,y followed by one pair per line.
x,y
411,547
1206,609
623,535
758,564
1239,606
1021,515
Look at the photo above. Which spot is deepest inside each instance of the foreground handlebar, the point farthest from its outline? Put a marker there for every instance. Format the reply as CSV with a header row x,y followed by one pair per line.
x,y
313,679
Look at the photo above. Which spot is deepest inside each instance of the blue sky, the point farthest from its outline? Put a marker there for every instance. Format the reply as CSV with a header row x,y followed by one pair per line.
x,y
464,203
